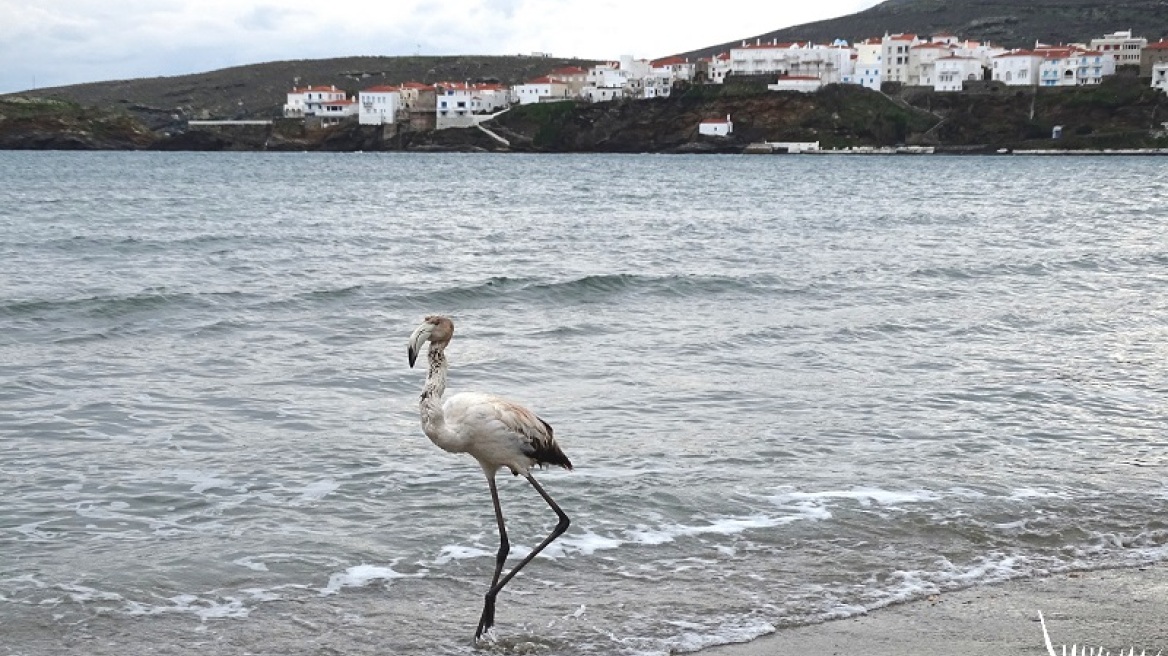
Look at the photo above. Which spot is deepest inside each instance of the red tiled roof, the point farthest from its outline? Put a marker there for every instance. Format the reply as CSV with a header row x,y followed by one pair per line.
x,y
668,61
1159,45
381,89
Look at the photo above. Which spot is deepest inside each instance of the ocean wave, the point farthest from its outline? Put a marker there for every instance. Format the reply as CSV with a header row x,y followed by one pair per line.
x,y
90,245
116,305
595,288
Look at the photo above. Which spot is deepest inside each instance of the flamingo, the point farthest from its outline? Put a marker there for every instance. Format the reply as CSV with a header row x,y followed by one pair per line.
x,y
494,431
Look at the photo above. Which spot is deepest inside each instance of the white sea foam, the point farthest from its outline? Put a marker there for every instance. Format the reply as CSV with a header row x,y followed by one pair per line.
x,y
33,531
585,544
201,481
1031,493
81,593
250,562
319,489
204,609
459,552
866,496
262,594
696,636
914,584
722,526
359,576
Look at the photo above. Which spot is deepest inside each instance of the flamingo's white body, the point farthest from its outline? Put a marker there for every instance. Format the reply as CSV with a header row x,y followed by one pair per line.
x,y
496,432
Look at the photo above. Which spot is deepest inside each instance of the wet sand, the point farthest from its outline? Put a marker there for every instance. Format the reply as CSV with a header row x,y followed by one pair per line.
x,y
1112,609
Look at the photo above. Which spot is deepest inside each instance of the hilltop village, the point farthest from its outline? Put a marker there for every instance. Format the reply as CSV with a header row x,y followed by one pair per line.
x,y
941,62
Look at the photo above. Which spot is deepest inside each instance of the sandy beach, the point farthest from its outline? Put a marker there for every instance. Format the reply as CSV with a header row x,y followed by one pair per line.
x,y
1112,609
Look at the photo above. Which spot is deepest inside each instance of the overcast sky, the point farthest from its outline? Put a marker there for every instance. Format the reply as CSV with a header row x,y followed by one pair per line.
x,y
59,42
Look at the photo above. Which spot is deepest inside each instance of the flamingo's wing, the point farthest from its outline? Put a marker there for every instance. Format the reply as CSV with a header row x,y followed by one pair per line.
x,y
497,425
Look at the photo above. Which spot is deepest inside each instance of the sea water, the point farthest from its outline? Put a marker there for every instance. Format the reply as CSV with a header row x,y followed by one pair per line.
x,y
793,388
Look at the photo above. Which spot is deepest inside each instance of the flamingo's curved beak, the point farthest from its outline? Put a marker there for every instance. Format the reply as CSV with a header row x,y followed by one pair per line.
x,y
421,336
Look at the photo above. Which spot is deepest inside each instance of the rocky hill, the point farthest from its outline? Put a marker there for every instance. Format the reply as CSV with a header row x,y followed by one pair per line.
x,y
1123,112
47,124
1011,23
260,90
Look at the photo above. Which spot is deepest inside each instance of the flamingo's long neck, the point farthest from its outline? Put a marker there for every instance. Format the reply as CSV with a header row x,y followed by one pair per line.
x,y
433,419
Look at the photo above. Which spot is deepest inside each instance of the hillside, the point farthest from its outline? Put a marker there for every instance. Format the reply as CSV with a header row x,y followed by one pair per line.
x,y
260,90
1007,22
1123,112
46,124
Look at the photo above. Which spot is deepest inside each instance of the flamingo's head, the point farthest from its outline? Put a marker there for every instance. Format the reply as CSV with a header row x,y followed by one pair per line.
x,y
434,329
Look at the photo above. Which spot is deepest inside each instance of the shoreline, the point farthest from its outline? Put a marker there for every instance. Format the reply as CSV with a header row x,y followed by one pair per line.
x,y
1111,608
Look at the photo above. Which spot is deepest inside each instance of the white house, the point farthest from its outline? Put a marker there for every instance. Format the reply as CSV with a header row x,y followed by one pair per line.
x,y
717,68
541,89
983,52
607,76
920,61
1122,46
335,111
637,69
894,56
492,98
379,105
1160,76
457,103
801,83
716,127
1017,68
656,85
309,101
677,69
603,94
867,67
1063,67
830,63
760,58
606,82
950,73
